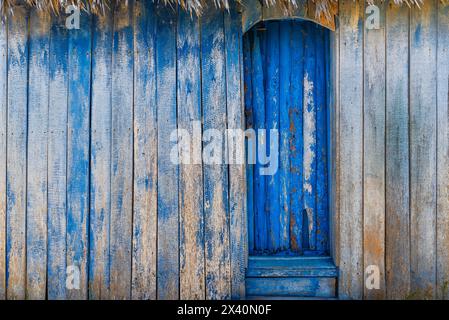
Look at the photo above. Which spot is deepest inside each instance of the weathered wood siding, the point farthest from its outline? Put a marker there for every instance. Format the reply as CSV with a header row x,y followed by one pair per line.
x,y
87,116
391,141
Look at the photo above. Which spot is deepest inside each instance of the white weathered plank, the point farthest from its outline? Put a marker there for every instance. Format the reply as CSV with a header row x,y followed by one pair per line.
x,y
374,153
16,155
145,154
351,149
3,114
423,124
397,250
443,153
37,155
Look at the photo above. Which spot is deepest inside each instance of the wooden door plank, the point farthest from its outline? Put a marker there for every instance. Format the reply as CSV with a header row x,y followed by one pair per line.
x,y
237,182
423,124
18,47
192,271
57,160
145,154
36,220
100,158
3,133
121,153
374,153
322,205
261,223
351,149
168,192
296,140
216,202
397,184
284,134
272,123
78,153
310,138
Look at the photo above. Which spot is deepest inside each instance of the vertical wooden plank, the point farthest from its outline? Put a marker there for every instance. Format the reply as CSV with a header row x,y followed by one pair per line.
x,y
310,138
237,182
296,146
261,223
249,124
57,160
145,154
272,123
351,149
218,273
374,153
322,205
397,184
442,153
78,153
285,34
16,155
121,153
168,211
3,115
423,124
100,158
36,221
192,273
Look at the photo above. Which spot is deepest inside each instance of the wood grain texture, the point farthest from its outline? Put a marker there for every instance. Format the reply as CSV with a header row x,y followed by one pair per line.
x,y
443,153
78,141
423,111
216,196
191,213
3,134
397,183
18,47
100,157
237,175
374,153
122,153
351,150
168,188
57,161
36,220
145,154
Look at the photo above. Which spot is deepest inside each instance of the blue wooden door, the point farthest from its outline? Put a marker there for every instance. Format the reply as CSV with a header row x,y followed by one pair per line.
x,y
286,88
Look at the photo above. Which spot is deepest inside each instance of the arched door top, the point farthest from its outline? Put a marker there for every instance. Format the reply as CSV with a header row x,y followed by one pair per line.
x,y
254,12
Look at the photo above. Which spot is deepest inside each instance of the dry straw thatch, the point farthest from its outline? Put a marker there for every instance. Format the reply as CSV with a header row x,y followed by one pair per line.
x,y
326,8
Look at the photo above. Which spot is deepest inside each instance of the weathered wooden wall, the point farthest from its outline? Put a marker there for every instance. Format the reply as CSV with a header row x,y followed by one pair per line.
x,y
391,140
85,175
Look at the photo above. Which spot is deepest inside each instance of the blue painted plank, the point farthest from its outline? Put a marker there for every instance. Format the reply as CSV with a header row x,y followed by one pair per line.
x,y
192,255
57,161
249,124
216,205
145,154
296,141
168,211
261,225
272,123
284,134
3,133
121,153
78,153
309,136
36,232
322,206
18,47
100,158
237,188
